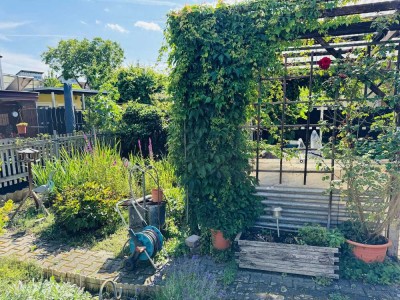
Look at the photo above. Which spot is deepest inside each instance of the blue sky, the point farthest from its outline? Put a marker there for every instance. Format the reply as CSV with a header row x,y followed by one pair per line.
x,y
27,27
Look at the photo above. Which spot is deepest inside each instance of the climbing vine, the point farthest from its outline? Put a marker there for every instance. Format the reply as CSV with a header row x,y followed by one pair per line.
x,y
217,54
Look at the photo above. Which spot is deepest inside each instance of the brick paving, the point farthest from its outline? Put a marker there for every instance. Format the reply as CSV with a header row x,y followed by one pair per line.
x,y
81,266
90,268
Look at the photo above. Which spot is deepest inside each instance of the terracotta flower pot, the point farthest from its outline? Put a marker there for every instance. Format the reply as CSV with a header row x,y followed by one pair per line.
x,y
21,129
370,253
157,195
218,240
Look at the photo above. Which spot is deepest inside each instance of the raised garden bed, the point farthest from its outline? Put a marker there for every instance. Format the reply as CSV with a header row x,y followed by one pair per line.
x,y
286,258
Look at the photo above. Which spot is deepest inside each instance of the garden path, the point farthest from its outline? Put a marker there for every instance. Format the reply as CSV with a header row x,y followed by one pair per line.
x,y
83,267
91,268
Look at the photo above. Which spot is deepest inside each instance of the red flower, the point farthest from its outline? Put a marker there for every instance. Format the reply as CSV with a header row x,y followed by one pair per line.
x,y
324,63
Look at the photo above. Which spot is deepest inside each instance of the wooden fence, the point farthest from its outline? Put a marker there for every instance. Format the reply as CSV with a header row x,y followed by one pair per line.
x,y
13,171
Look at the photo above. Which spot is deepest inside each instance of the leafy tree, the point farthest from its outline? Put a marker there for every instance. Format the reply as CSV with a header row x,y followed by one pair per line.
x,y
139,84
92,60
102,111
139,123
51,80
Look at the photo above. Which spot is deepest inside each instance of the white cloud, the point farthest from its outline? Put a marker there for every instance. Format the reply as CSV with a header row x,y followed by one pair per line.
x,y
83,22
98,22
11,25
107,9
4,38
13,62
117,27
148,25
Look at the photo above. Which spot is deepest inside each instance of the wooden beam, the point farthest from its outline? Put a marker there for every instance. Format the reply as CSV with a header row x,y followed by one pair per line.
x,y
356,28
338,55
362,9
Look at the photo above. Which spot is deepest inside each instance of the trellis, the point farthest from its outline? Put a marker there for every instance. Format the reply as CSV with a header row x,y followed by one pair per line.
x,y
354,37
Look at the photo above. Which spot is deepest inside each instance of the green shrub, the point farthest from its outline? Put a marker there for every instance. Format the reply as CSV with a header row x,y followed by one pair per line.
x,y
4,211
89,206
315,235
44,290
141,122
386,273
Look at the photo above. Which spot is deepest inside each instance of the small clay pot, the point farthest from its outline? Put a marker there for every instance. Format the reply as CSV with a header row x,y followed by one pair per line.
x,y
21,129
157,195
218,240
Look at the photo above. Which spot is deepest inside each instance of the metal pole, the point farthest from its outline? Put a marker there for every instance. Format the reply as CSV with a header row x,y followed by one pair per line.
x,y
283,120
308,116
333,163
258,126
1,75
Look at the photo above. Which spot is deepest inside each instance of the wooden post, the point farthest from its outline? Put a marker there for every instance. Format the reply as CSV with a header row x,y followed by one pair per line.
x,y
394,236
83,102
56,146
53,100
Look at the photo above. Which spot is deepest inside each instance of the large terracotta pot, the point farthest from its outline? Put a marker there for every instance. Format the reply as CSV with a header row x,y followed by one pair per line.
x,y
21,129
218,240
157,195
370,253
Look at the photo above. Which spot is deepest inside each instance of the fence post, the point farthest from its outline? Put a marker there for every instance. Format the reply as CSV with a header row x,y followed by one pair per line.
x,y
94,137
394,235
56,146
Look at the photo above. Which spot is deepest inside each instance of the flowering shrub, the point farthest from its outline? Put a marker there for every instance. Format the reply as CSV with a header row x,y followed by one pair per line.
x,y
189,281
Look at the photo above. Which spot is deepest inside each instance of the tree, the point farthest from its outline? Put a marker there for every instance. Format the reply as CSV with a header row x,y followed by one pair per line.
x,y
51,80
92,60
139,84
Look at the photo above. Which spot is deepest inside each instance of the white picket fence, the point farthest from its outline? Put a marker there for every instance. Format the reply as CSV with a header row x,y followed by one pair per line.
x,y
13,171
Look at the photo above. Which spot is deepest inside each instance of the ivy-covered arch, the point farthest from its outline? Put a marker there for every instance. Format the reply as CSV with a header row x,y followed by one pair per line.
x,y
217,54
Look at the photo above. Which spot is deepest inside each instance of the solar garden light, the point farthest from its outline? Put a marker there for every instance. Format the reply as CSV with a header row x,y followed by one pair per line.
x,y
277,212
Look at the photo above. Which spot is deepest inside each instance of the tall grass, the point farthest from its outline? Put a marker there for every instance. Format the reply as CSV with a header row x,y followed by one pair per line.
x,y
102,165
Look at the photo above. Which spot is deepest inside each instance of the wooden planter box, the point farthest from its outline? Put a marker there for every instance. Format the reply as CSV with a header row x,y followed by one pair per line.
x,y
287,258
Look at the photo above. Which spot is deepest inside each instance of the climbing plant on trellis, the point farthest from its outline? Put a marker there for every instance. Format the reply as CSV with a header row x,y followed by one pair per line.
x,y
217,53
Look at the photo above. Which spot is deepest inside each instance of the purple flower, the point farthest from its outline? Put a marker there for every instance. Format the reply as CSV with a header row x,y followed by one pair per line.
x,y
114,163
88,147
151,149
140,147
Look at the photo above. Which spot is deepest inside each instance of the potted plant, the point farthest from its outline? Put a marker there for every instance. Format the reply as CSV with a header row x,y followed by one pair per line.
x,y
21,127
370,183
370,166
372,195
